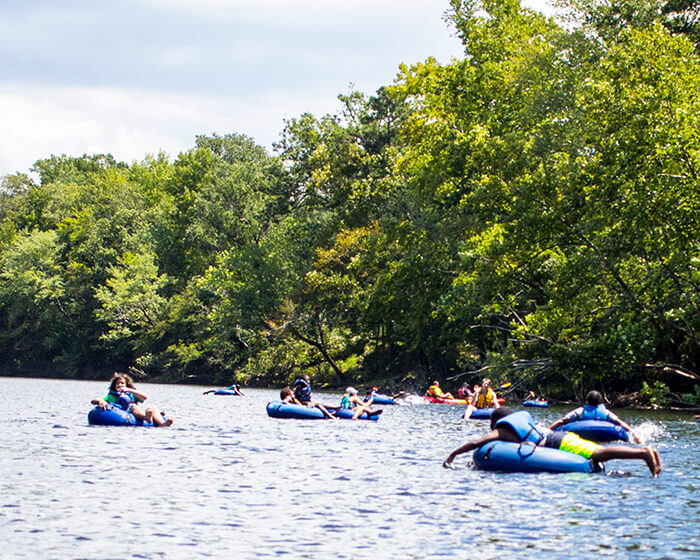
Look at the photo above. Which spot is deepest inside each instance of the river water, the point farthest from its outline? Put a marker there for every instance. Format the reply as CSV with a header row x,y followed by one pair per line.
x,y
227,481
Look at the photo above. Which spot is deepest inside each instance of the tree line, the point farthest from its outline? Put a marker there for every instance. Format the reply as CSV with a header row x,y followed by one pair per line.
x,y
527,212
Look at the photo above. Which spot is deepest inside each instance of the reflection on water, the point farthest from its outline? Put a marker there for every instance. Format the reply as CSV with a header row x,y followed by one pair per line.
x,y
227,481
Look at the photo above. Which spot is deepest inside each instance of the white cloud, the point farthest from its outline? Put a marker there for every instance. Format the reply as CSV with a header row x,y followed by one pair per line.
x,y
129,123
139,76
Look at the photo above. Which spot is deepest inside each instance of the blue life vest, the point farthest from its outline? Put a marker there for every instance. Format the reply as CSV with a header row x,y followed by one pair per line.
x,y
345,402
523,424
302,391
122,400
591,412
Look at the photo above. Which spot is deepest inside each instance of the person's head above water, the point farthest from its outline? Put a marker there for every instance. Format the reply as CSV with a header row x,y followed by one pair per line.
x,y
121,379
499,413
594,398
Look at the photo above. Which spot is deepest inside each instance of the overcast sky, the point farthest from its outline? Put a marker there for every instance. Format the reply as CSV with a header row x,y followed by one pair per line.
x,y
136,77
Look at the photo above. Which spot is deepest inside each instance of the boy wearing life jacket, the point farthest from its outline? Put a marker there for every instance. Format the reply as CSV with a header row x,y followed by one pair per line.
x,y
519,427
483,397
436,391
301,388
594,409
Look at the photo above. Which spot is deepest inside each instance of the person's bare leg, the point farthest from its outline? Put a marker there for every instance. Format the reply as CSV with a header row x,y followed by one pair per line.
x,y
648,454
137,412
325,411
657,460
359,411
157,418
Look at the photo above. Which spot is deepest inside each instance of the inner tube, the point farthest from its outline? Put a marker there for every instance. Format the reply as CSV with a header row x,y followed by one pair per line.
x,y
540,404
278,409
481,414
505,456
383,399
600,431
114,416
225,392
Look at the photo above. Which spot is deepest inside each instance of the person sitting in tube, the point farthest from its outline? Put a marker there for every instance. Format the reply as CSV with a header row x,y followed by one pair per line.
x,y
301,388
124,395
287,396
435,391
519,427
351,401
464,391
594,409
483,397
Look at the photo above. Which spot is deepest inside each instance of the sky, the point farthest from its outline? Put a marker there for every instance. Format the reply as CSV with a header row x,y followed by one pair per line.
x,y
140,77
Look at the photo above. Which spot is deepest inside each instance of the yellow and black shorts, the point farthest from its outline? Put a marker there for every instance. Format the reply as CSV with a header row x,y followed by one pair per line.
x,y
568,441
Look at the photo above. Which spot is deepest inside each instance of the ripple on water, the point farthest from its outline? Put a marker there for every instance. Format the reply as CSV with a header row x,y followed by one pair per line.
x,y
228,481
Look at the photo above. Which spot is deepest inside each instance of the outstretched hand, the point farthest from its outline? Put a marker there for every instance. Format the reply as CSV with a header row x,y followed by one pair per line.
x,y
448,464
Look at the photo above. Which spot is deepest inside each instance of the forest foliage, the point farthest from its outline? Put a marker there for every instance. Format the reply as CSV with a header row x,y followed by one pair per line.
x,y
528,212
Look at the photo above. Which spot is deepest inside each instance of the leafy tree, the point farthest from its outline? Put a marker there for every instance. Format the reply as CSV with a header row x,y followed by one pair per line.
x,y
609,17
36,307
131,302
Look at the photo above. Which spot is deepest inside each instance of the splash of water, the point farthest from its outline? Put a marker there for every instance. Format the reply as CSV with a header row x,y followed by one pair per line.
x,y
649,432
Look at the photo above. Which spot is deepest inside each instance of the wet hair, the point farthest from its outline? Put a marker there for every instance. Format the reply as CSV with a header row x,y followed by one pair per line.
x,y
286,392
500,412
594,398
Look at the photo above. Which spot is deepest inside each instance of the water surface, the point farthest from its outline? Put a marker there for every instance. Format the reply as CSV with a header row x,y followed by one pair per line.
x,y
227,481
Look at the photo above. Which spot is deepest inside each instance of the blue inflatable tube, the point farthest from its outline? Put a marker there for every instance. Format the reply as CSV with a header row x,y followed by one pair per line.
x,y
600,431
278,409
539,404
383,399
481,414
114,416
225,392
510,457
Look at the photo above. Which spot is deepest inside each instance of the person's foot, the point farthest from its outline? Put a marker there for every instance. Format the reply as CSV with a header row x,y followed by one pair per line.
x,y
653,460
168,421
657,461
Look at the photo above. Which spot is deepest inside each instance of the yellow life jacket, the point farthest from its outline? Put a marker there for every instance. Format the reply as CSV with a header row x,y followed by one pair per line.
x,y
435,391
487,400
